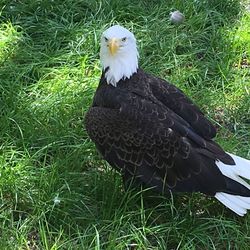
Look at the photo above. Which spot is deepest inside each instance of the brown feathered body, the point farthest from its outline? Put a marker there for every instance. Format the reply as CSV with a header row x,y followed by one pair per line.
x,y
152,133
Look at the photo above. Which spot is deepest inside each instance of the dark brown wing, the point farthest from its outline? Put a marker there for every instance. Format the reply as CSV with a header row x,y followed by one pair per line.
x,y
177,101
152,143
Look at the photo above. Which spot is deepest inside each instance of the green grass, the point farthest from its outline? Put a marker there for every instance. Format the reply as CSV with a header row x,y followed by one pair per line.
x,y
55,190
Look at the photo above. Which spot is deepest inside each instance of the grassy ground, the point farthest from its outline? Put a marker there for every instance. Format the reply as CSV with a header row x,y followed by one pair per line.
x,y
55,191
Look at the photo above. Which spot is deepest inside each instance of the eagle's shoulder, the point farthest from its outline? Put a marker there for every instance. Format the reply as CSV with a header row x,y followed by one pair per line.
x,y
176,100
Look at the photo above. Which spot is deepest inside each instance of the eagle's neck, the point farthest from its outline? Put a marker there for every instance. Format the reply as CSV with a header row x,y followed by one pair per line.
x,y
119,67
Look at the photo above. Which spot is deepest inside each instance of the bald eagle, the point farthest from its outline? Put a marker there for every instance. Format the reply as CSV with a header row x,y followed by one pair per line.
x,y
154,135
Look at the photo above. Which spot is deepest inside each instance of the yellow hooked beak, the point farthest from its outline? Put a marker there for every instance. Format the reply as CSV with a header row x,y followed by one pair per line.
x,y
114,45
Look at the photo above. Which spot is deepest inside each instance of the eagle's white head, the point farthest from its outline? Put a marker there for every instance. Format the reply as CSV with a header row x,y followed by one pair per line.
x,y
118,53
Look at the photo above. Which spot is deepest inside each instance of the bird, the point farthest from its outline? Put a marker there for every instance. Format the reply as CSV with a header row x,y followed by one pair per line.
x,y
154,135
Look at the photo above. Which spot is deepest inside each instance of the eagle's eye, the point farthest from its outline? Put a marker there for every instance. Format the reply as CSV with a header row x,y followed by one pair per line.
x,y
106,39
124,39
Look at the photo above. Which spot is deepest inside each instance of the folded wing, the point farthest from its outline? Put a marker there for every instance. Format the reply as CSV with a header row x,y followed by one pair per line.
x,y
154,145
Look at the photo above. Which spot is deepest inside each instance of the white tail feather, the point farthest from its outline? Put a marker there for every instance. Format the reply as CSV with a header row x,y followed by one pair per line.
x,y
236,203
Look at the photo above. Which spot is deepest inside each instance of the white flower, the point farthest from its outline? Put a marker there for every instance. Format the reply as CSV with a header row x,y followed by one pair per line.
x,y
56,200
